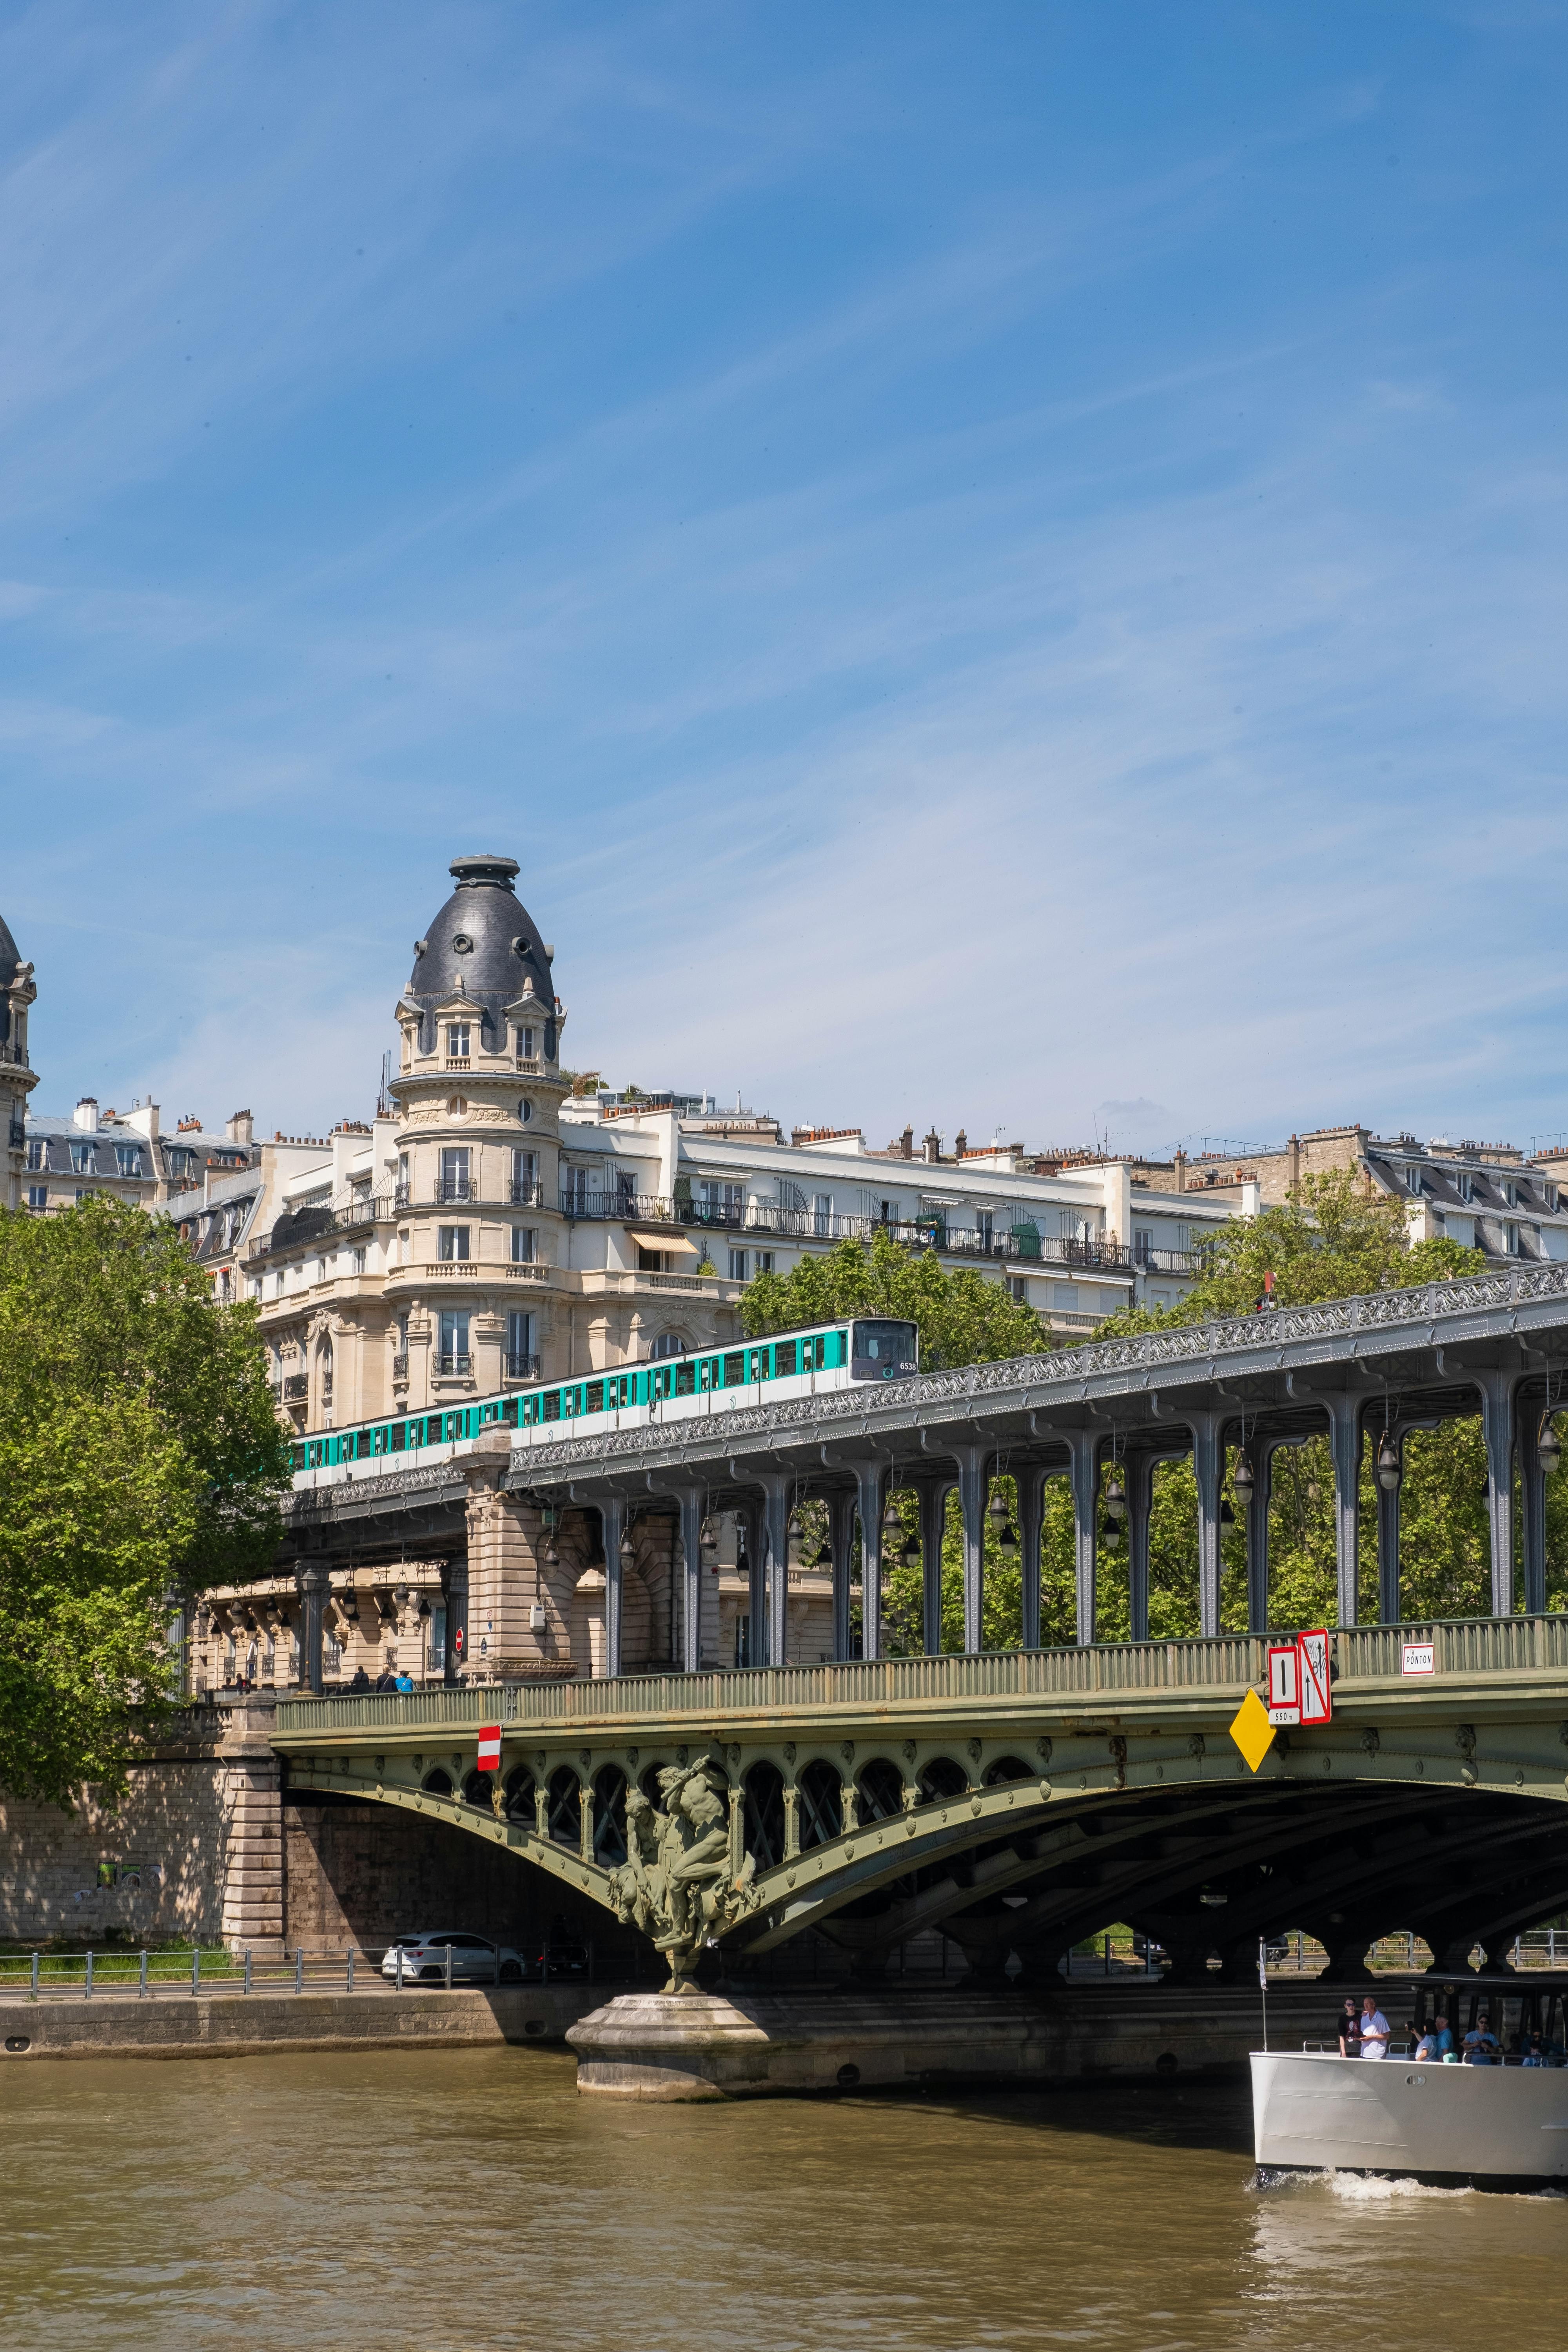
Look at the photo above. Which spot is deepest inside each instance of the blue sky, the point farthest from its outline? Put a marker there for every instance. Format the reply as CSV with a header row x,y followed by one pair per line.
x,y
998,565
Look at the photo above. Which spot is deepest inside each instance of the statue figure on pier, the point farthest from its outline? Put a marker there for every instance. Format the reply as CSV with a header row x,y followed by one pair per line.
x,y
677,1883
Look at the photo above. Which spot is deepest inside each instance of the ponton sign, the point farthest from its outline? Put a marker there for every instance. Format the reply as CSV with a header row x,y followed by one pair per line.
x,y
1419,1658
1298,1683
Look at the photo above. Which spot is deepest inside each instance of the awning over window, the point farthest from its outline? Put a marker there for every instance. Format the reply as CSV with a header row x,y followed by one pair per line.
x,y
663,1237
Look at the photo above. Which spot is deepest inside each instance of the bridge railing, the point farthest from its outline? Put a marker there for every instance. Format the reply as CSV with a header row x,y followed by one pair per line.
x,y
1459,1646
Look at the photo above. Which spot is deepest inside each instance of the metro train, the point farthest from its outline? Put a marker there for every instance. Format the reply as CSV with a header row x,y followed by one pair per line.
x,y
675,1388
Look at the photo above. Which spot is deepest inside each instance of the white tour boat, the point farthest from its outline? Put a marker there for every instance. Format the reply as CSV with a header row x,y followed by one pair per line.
x,y
1503,2125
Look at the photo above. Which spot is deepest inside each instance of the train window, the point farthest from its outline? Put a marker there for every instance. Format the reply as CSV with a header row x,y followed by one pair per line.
x,y
735,1370
550,1406
396,1438
685,1379
595,1397
784,1359
509,1414
297,1454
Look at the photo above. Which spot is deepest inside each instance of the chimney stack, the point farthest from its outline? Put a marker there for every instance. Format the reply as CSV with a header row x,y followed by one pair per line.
x,y
933,1148
85,1115
906,1142
239,1128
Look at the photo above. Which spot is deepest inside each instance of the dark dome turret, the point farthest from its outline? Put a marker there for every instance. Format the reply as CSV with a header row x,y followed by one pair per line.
x,y
484,945
10,955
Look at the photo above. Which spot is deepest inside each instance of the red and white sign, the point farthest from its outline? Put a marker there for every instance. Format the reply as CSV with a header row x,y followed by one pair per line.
x,y
1316,1699
1284,1681
1419,1658
489,1749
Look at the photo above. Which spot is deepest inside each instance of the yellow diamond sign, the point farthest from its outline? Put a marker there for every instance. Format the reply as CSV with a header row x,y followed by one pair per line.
x,y
1252,1731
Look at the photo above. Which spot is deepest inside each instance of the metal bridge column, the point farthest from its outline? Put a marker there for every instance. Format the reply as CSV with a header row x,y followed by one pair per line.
x,y
751,1517
972,1461
1388,1597
1083,1445
872,1480
775,1485
612,1528
1140,1472
692,1501
310,1578
1497,1422
1031,1485
1532,1494
1343,1409
933,1494
840,1536
1258,1535
1209,1465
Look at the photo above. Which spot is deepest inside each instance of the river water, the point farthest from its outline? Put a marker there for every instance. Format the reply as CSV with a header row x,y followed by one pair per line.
x,y
456,2202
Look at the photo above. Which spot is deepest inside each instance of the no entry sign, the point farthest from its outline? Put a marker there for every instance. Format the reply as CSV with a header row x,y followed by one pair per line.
x,y
489,1749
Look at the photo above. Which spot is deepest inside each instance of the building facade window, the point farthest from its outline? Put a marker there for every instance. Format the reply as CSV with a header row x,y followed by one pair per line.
x,y
668,1343
985,1228
524,1244
737,1266
524,1178
37,1196
528,1043
822,1214
127,1159
1016,1287
764,1260
452,1242
454,1356
457,1042
82,1158
522,1347
524,1110
455,1166
38,1152
358,1257
574,1192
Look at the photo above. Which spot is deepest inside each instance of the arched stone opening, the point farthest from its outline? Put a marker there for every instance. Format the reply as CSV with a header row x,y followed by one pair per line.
x,y
564,1815
477,1789
941,1780
1006,1767
609,1816
821,1804
437,1783
881,1787
764,1814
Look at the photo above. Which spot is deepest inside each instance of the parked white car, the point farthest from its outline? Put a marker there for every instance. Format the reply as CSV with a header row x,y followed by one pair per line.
x,y
475,1959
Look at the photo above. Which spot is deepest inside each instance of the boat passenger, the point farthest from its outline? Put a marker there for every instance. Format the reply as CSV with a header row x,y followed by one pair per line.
x,y
1347,2027
1482,2047
1427,2048
1374,2029
1442,2033
1534,2055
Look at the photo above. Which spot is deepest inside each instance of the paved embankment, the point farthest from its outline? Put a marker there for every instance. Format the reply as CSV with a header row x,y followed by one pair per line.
x,y
229,2024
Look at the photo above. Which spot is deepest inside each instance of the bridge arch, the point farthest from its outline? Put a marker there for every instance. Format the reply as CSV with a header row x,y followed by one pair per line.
x,y
519,1788
763,1813
941,1780
881,1784
564,1807
439,1782
609,1785
821,1804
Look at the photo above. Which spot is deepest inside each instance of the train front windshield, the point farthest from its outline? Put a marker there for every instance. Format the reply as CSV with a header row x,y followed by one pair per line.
x,y
883,1351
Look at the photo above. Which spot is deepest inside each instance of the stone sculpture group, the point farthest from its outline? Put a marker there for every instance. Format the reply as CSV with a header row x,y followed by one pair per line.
x,y
678,1883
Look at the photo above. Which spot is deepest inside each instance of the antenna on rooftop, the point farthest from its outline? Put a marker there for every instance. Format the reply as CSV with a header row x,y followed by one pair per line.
x,y
383,1104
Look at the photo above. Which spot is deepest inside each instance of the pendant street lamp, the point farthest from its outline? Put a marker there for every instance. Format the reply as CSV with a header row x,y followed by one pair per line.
x,y
912,1552
1008,1543
996,1511
1548,1444
629,1550
1110,1534
1226,1516
710,1540
892,1518
1115,1499
1389,1471
1244,1480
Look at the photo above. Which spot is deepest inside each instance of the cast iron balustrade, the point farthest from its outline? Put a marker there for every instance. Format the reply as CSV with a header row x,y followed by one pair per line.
x,y
522,1368
296,1387
525,1196
453,1188
11,1052
18,1135
306,1228
454,1364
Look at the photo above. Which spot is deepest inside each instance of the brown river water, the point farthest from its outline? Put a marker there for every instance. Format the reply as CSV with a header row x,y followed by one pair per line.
x,y
439,2201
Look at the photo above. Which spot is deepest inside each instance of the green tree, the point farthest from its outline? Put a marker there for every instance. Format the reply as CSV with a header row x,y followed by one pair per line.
x,y
138,1453
965,1317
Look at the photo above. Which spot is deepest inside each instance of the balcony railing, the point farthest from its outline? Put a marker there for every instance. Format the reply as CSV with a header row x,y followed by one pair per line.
x,y
11,1052
523,1367
303,1228
400,1366
453,1188
296,1387
454,1364
19,1134
525,1195
815,1225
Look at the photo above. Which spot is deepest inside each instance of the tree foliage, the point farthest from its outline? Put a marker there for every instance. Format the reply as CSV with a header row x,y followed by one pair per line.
x,y
964,1317
140,1455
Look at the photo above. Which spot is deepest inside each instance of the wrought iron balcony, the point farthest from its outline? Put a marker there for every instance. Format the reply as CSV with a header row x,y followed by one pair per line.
x,y
18,1135
523,1367
454,1364
296,1387
303,1226
453,1188
523,1195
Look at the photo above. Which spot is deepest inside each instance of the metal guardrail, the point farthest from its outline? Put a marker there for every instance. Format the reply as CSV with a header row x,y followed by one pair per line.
x,y
44,1974
1226,1665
